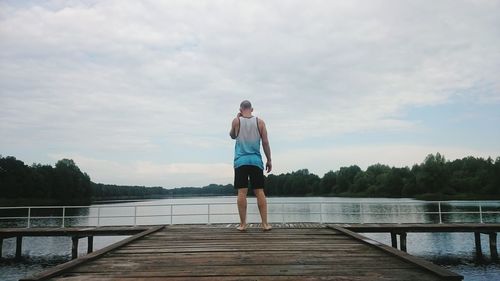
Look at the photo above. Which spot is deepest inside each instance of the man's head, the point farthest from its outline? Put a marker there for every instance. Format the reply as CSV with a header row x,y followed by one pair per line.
x,y
246,106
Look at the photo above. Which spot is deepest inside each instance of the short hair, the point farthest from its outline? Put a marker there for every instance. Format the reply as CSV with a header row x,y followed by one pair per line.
x,y
246,104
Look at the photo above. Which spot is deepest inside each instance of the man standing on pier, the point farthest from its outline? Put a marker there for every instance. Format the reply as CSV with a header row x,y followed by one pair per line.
x,y
249,131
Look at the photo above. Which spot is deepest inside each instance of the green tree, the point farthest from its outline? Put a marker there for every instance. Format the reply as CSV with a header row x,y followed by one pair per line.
x,y
345,178
432,177
328,182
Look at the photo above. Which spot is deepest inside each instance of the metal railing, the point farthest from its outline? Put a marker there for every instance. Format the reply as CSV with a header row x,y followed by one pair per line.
x,y
321,209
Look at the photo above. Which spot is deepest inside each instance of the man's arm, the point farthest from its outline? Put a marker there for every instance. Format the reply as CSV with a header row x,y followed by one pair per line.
x,y
235,127
265,144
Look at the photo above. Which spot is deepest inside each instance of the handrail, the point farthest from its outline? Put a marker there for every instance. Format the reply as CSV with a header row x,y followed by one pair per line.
x,y
323,212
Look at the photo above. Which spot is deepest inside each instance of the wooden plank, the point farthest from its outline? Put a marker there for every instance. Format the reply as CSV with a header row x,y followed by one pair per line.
x,y
247,258
167,262
247,235
204,229
180,243
320,248
229,269
68,265
247,278
243,237
372,253
439,271
287,270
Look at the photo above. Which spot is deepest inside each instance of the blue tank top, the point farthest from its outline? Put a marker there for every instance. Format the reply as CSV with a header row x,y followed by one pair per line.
x,y
247,148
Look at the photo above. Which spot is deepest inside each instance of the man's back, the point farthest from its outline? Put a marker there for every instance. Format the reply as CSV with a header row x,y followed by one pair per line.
x,y
247,148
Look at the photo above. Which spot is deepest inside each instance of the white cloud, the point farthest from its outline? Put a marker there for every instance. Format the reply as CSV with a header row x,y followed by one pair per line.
x,y
108,78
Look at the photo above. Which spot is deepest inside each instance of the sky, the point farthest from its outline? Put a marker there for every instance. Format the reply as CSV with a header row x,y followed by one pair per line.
x,y
144,92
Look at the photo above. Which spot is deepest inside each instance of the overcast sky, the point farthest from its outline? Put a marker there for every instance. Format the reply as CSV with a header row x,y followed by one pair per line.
x,y
143,92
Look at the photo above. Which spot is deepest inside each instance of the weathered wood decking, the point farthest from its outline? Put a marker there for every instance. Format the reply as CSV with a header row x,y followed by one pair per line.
x,y
222,253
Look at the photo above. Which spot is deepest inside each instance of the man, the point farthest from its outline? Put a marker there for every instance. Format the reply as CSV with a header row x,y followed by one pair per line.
x,y
248,131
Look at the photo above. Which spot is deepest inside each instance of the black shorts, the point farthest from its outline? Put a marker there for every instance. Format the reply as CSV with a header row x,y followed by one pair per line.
x,y
241,175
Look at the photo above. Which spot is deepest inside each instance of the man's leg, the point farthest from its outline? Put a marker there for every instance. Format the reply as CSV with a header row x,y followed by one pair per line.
x,y
262,204
242,207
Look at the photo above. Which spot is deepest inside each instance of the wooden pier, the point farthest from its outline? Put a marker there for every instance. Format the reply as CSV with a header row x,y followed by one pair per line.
x,y
401,230
220,252
76,233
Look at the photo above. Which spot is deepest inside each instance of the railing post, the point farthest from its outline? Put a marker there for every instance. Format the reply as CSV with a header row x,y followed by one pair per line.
x,y
29,217
360,213
171,214
63,215
135,215
440,215
480,214
283,213
398,220
208,213
321,213
98,216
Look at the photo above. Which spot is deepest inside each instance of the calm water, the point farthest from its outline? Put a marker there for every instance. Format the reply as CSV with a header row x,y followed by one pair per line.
x,y
455,251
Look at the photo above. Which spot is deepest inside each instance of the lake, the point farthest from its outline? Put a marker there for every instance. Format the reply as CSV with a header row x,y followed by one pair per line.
x,y
454,251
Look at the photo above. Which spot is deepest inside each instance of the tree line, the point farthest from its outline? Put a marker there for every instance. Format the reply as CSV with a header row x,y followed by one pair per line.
x,y
435,177
103,191
65,182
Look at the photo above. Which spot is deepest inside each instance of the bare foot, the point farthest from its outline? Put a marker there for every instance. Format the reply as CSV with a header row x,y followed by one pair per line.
x,y
266,227
242,227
